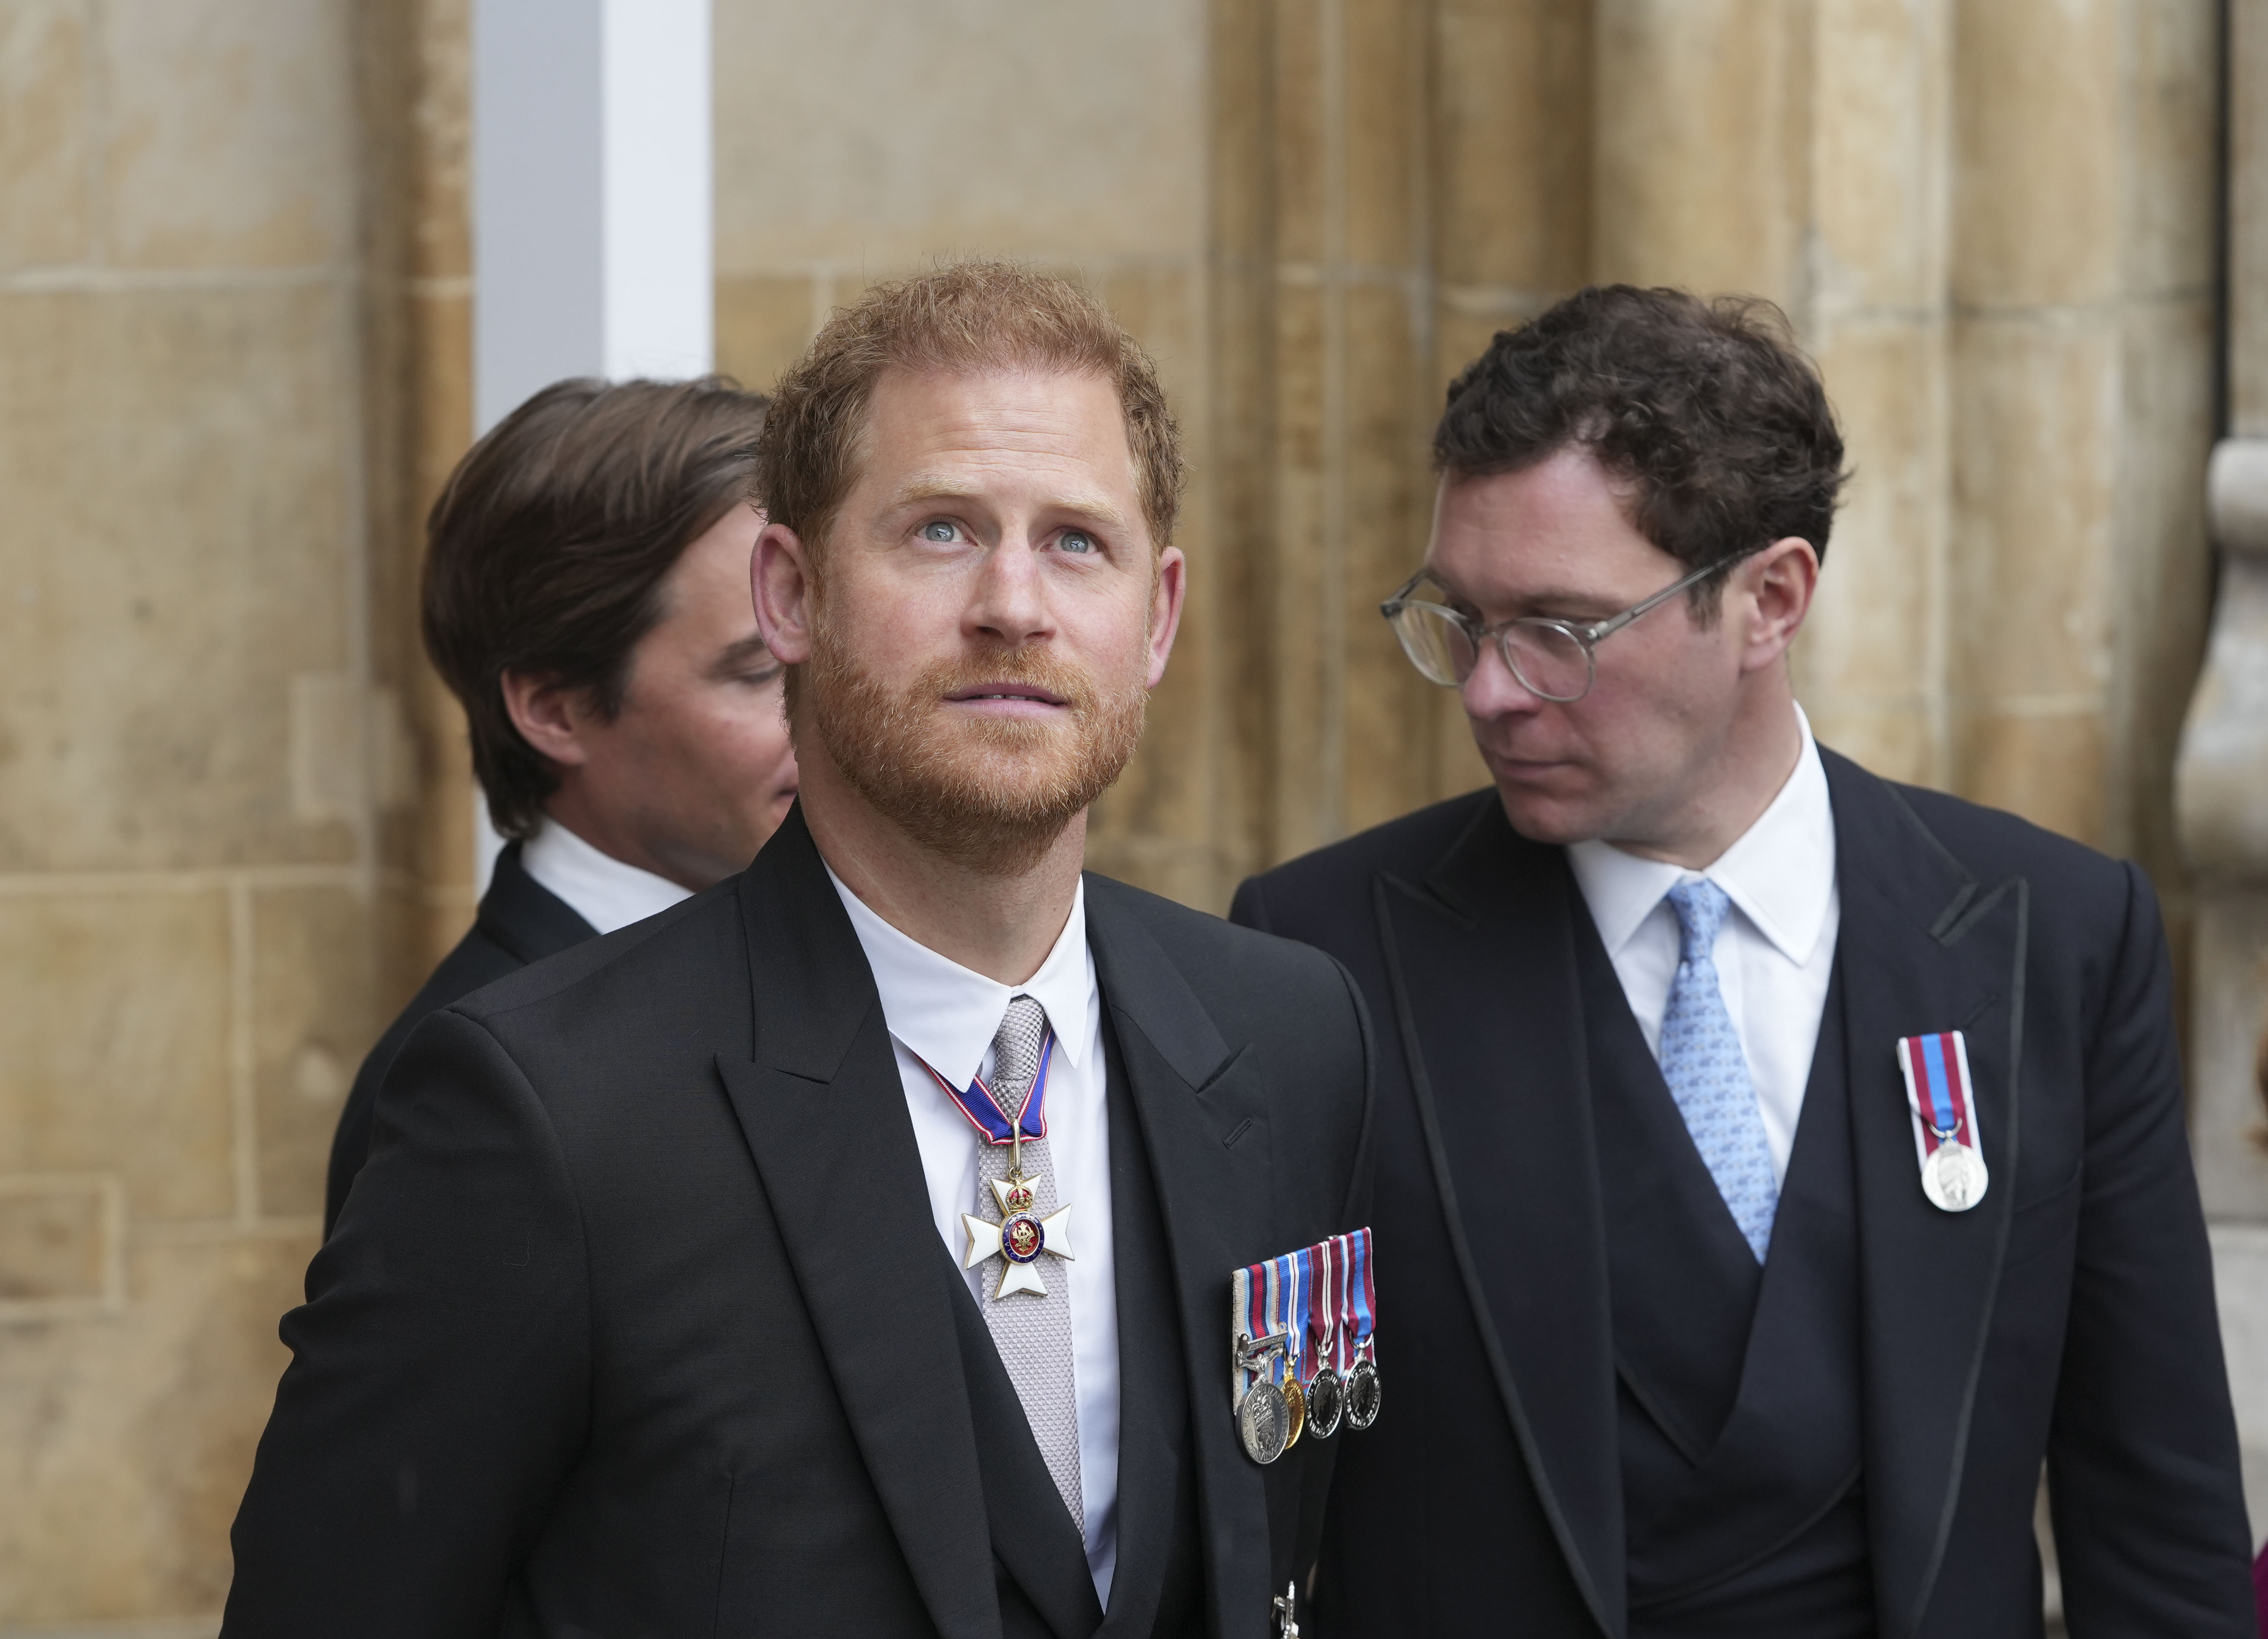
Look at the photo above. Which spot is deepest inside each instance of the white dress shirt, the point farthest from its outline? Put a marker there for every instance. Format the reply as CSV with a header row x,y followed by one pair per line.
x,y
943,1013
1774,953
598,887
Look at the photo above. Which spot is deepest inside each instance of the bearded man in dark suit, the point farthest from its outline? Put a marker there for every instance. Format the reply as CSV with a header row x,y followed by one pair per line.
x,y
1777,1166
847,1249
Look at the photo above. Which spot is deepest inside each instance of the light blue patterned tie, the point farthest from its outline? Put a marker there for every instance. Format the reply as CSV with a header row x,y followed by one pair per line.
x,y
1708,1074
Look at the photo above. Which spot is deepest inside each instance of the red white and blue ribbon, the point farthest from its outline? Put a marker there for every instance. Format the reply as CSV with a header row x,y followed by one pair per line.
x,y
1321,1300
982,1110
1938,1092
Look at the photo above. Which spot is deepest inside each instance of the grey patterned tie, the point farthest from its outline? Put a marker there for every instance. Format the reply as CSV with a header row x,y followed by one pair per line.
x,y
1032,1332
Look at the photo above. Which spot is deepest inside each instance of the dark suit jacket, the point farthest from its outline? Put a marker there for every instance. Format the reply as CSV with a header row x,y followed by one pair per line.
x,y
2069,1317
637,1321
520,921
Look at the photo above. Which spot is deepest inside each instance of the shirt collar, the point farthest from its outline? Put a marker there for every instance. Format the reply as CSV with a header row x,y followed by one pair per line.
x,y
602,890
946,1015
1780,872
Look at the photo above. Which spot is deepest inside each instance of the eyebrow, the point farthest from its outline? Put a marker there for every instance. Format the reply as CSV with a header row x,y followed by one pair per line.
x,y
1556,598
920,488
737,656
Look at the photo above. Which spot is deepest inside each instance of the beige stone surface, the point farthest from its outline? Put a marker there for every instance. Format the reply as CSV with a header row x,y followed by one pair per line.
x,y
1880,158
1702,177
2037,432
175,550
227,142
867,134
61,1248
1513,139
125,1441
2247,281
46,137
115,1050
763,322
2043,145
313,1016
2050,767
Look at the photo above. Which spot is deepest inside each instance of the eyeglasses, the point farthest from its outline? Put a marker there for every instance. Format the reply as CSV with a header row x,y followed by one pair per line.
x,y
1553,660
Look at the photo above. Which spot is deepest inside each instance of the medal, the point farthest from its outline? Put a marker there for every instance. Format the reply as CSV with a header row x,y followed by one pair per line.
x,y
1021,1234
1358,1319
1303,1355
1325,1391
1947,1142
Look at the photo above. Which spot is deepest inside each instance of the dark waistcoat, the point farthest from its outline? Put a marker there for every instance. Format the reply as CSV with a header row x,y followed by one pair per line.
x,y
1039,1561
1737,1386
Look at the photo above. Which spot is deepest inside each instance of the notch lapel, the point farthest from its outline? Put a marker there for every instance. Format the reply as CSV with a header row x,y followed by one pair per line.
x,y
1925,947
1186,1091
824,1115
1481,959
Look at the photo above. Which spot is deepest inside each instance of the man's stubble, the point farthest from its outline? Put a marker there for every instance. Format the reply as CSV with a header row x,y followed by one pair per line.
x,y
989,796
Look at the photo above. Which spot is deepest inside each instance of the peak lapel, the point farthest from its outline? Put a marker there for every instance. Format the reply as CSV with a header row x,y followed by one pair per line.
x,y
1481,962
824,1115
1925,947
1212,1197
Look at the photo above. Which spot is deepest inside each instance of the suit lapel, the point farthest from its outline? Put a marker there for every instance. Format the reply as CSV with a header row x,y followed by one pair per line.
x,y
1925,947
824,1115
1206,1135
1481,959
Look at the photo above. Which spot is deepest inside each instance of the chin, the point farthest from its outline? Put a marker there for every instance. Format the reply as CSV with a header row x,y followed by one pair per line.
x,y
1547,819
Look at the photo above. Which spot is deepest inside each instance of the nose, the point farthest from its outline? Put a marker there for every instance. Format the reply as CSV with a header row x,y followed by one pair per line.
x,y
1492,691
1007,603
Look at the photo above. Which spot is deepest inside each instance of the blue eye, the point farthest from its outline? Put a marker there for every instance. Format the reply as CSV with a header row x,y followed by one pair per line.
x,y
1077,540
938,531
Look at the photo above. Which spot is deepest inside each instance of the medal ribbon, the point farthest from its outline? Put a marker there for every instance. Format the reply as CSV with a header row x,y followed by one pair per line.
x,y
1365,1318
1315,1350
1936,1073
983,1110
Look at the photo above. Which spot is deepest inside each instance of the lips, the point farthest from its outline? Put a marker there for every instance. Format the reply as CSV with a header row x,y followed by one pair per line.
x,y
1030,692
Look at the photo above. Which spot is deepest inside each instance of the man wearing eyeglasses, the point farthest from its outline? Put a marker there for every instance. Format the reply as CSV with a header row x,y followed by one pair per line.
x,y
1777,1166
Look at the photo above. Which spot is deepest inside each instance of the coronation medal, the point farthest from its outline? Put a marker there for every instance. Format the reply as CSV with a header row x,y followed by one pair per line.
x,y
1326,1395
1021,1234
1941,1097
1264,1415
1363,1390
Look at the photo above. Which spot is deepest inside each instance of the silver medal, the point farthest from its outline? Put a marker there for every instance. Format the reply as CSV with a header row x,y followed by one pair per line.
x,y
1326,1403
1953,1178
1263,1422
1362,1394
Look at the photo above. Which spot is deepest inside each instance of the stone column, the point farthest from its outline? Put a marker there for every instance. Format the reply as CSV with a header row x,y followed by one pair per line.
x,y
2221,788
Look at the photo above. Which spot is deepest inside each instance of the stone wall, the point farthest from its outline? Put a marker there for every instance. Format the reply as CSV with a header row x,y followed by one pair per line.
x,y
234,344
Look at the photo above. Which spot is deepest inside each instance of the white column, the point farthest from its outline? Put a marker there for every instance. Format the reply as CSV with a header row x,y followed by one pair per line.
x,y
591,210
592,206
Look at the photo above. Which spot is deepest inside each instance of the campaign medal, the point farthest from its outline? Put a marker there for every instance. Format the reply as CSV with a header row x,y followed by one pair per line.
x,y
1326,1395
1942,1099
1360,1318
1303,1354
1020,1235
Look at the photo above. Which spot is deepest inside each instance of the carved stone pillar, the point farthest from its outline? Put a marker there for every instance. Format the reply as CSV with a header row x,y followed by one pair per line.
x,y
2222,790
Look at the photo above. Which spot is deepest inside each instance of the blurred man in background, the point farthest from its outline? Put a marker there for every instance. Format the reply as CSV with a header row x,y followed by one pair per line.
x,y
1777,1166
586,598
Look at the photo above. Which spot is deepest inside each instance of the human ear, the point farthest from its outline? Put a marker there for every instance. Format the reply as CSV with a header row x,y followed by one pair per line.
x,y
780,583
1166,586
1778,583
549,717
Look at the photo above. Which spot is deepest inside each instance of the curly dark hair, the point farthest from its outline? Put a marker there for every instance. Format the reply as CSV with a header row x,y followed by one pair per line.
x,y
1707,409
550,543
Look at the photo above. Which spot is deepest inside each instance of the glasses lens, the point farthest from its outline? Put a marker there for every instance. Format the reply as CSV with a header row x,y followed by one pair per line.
x,y
1548,660
1436,643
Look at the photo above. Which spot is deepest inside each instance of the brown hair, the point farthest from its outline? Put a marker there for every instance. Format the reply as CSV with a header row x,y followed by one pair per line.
x,y
965,317
549,543
1707,408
